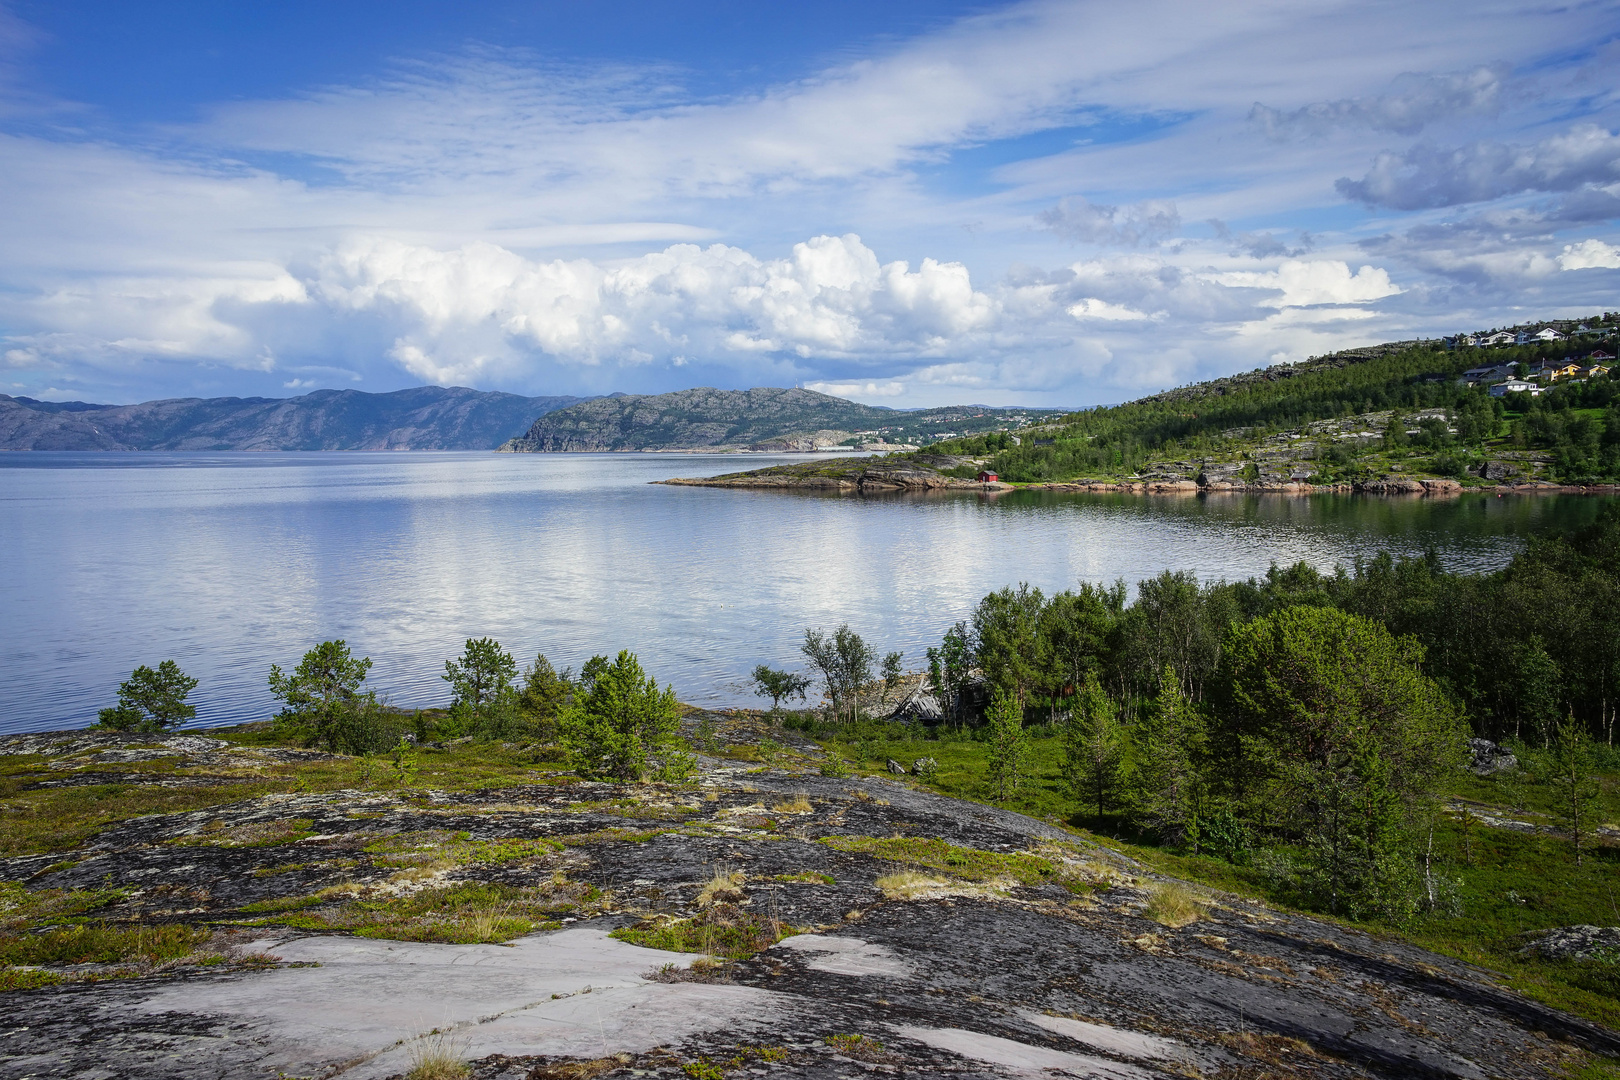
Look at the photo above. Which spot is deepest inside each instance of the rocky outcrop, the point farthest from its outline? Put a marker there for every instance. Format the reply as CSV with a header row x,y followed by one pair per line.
x,y
900,933
1581,942
865,476
799,444
1486,757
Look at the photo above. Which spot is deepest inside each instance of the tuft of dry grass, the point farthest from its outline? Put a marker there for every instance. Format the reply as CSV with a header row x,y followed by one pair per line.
x,y
796,805
722,888
1172,904
907,884
438,1056
490,924
912,885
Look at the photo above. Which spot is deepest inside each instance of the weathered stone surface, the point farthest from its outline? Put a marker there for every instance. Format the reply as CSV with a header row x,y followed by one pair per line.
x,y
981,978
1576,942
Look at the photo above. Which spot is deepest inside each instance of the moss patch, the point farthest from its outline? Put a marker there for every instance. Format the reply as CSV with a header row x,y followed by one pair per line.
x,y
462,913
723,930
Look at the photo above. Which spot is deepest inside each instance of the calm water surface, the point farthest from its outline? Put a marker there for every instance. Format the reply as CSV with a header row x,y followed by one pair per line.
x,y
229,562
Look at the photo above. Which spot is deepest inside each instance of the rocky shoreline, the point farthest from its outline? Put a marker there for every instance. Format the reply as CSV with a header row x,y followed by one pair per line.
x,y
877,481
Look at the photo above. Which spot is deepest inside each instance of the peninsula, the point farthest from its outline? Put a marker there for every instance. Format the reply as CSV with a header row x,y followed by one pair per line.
x,y
1531,410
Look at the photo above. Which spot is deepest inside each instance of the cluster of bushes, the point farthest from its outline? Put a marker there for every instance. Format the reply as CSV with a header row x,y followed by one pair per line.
x,y
612,718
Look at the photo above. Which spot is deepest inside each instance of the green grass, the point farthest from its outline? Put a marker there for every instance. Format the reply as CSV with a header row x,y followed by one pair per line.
x,y
437,847
22,908
722,931
61,819
99,943
26,979
459,913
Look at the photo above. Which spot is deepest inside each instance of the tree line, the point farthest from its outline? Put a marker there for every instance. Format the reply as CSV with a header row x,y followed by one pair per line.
x,y
612,718
1517,649
1308,713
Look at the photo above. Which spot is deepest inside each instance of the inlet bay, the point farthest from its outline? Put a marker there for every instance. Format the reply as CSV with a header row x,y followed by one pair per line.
x,y
229,562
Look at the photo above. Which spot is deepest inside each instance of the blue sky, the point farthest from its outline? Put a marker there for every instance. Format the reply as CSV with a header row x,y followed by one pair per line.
x,y
905,203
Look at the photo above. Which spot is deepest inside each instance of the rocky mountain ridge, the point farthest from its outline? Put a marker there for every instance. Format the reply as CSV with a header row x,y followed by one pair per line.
x,y
421,418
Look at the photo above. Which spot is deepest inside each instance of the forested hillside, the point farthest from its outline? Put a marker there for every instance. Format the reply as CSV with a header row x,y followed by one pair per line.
x,y
1356,414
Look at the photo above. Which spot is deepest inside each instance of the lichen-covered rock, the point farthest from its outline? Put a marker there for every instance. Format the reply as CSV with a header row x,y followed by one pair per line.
x,y
1487,757
1582,942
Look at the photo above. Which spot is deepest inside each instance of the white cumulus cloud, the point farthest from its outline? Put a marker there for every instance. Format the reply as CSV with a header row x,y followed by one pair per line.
x,y
1318,281
830,297
1590,255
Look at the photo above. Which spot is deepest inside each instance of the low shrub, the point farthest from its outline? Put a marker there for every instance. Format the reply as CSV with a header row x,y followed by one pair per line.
x,y
98,943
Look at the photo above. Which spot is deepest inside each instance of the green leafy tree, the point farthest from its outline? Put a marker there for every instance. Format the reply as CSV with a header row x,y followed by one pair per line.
x,y
1094,746
151,699
483,699
322,701
1076,635
1172,622
1539,684
844,660
779,686
1329,730
1575,782
545,692
1166,788
892,671
622,727
1009,745
1005,640
950,668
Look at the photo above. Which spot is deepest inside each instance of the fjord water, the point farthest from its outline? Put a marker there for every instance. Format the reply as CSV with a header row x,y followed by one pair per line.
x,y
229,562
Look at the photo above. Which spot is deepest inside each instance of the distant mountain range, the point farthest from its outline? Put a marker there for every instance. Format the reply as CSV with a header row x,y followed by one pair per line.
x,y
424,418
765,418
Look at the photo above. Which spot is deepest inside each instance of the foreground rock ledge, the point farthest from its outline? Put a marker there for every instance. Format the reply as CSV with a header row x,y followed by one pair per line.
x,y
974,979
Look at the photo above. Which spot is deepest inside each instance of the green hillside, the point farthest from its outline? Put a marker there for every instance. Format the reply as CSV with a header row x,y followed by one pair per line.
x,y
1397,409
